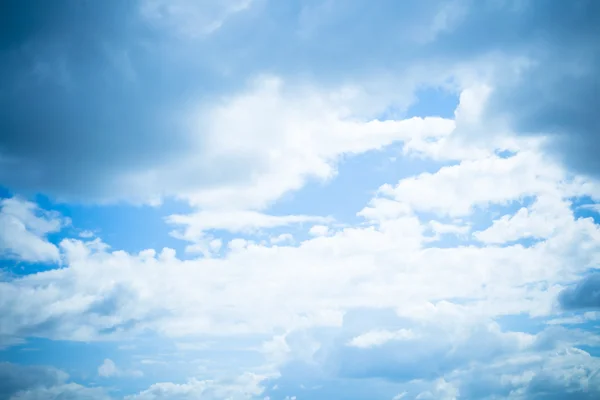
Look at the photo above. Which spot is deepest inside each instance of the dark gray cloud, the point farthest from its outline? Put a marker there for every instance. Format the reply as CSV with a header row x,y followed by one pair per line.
x,y
585,294
94,94
558,93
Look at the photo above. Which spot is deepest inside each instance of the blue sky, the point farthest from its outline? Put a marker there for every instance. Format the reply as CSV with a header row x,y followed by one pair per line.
x,y
286,200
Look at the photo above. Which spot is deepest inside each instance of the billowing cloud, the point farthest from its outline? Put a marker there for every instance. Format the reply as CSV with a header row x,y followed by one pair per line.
x,y
134,105
585,294
23,230
445,283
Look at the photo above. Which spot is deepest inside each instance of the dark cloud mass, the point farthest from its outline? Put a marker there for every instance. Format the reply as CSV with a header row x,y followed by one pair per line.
x,y
18,382
94,94
584,295
559,92
15,378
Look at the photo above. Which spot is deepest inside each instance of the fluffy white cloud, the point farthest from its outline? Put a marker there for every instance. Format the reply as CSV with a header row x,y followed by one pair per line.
x,y
258,288
379,337
390,261
546,216
196,227
319,230
458,189
23,230
108,369
277,136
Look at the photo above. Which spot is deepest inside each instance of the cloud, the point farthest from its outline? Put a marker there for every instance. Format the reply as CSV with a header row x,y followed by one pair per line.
x,y
585,294
554,92
109,369
448,357
23,230
68,391
36,382
199,227
228,141
246,386
233,145
318,230
139,101
379,337
387,261
284,237
530,222
442,391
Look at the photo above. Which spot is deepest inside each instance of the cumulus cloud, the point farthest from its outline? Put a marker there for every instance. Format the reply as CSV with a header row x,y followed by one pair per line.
x,y
151,99
387,262
318,230
464,358
23,231
108,369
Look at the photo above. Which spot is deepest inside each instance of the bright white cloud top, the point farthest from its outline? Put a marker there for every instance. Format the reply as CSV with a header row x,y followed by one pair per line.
x,y
338,231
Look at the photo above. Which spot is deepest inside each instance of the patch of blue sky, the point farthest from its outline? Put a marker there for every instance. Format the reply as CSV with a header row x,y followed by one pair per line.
x,y
13,269
433,102
522,323
357,180
127,227
586,207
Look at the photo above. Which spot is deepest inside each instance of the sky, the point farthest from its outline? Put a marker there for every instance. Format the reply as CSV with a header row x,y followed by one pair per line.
x,y
289,200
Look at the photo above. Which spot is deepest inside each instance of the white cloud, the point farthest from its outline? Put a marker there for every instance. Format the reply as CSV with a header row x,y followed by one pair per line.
x,y
23,230
456,190
86,234
447,297
246,386
546,216
256,287
318,230
275,136
109,369
284,237
380,337
387,262
195,227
